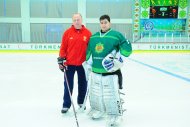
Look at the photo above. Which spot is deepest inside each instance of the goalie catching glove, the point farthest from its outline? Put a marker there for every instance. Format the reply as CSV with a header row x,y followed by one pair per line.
x,y
61,63
112,61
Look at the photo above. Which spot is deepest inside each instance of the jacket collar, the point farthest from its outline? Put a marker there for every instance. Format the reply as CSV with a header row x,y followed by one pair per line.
x,y
82,28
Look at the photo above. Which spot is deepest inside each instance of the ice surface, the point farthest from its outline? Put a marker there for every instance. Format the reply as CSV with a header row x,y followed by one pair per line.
x,y
31,89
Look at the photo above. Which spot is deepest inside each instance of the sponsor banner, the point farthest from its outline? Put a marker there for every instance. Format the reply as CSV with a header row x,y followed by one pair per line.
x,y
161,46
29,46
56,46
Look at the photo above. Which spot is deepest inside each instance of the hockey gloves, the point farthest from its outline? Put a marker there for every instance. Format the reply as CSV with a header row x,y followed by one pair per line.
x,y
112,62
108,62
61,64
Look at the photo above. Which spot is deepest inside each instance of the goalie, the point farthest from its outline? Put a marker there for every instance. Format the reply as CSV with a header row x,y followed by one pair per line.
x,y
106,53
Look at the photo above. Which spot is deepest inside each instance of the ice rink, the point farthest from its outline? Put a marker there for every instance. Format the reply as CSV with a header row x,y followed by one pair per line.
x,y
157,88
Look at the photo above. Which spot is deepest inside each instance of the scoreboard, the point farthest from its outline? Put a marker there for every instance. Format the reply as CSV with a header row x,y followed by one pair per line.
x,y
163,16
163,12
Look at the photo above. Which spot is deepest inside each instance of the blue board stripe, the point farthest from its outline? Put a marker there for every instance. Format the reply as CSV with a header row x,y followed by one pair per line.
x,y
4,10
161,70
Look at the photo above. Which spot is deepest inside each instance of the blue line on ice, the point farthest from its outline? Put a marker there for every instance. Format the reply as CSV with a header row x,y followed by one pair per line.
x,y
161,70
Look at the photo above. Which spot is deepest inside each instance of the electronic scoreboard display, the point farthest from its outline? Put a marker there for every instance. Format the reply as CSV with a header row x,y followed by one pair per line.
x,y
164,17
163,12
164,8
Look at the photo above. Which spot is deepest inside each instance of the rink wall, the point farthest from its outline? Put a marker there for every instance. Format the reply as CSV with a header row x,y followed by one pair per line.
x,y
54,47
161,46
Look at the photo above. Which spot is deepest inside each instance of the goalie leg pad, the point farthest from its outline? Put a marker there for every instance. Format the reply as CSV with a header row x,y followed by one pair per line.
x,y
111,95
104,94
96,93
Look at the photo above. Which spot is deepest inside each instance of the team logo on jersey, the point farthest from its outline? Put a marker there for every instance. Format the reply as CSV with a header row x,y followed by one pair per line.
x,y
99,47
84,38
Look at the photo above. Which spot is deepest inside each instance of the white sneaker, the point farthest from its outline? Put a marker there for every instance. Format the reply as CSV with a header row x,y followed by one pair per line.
x,y
81,108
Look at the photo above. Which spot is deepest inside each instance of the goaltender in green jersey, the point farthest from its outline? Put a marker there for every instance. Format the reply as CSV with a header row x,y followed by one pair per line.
x,y
106,53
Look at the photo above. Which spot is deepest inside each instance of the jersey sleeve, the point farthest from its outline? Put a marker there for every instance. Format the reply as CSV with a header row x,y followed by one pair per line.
x,y
125,46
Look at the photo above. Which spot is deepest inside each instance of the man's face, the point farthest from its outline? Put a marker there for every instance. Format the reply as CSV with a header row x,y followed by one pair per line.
x,y
77,21
105,25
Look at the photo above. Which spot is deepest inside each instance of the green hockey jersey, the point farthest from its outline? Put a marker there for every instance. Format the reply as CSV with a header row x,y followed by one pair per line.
x,y
101,44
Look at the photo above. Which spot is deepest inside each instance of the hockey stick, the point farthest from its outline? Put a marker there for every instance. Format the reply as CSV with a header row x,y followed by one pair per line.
x,y
86,96
71,98
88,75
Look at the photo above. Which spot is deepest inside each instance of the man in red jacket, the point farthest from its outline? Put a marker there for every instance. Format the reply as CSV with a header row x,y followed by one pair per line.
x,y
71,56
